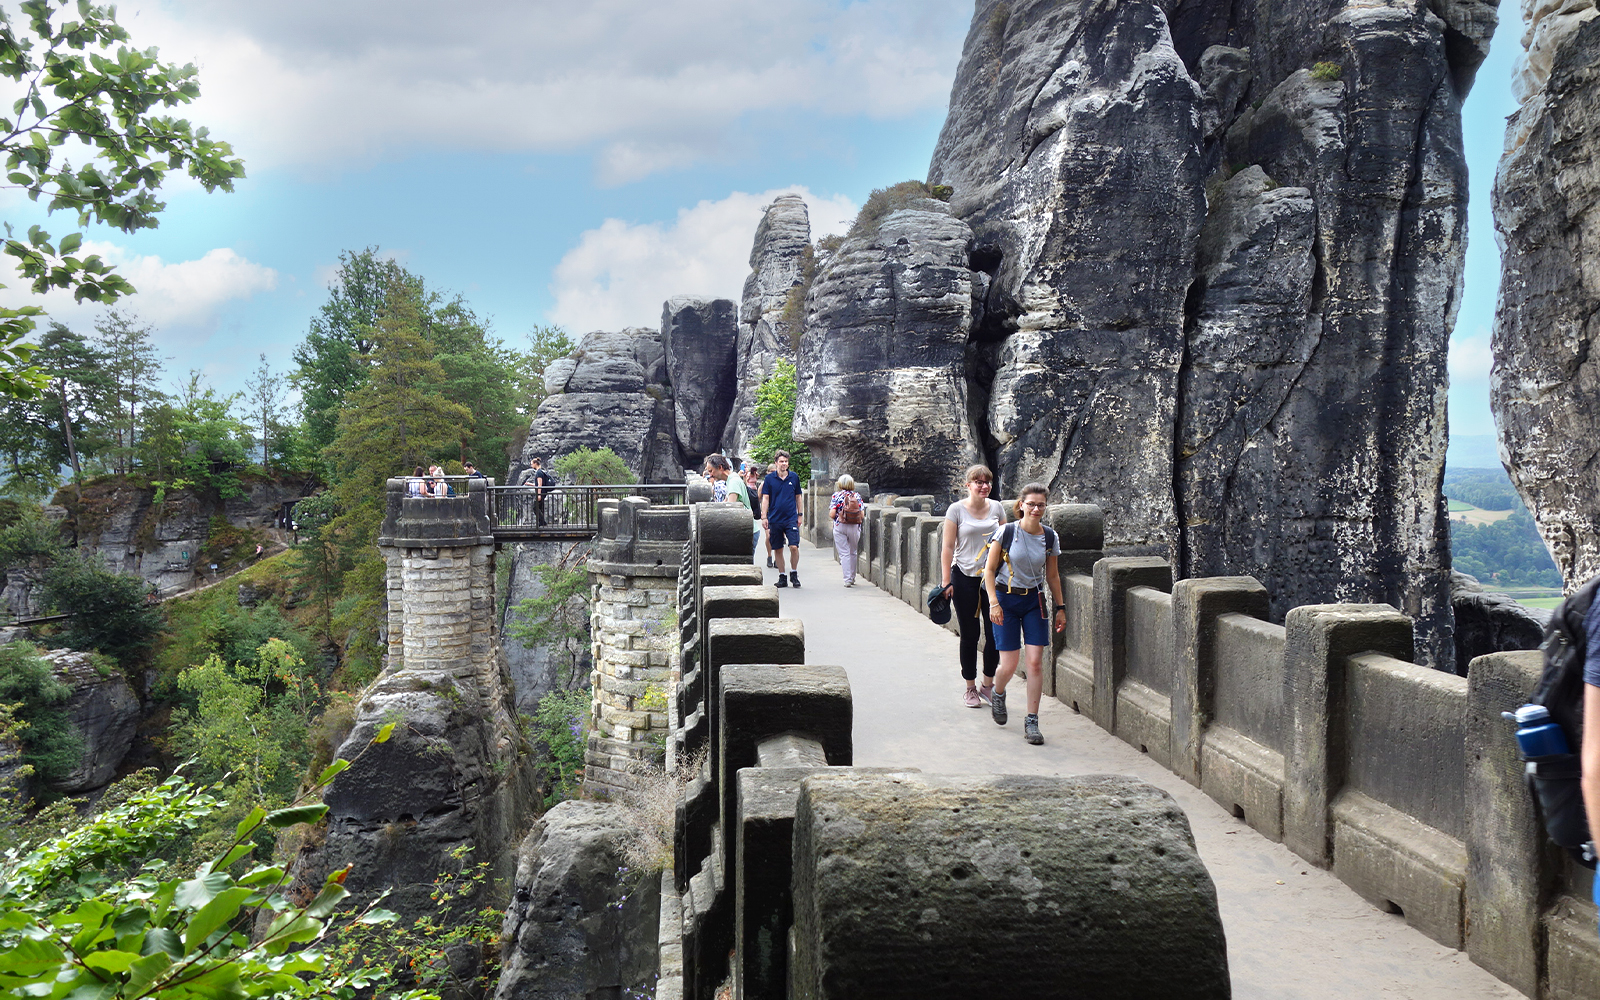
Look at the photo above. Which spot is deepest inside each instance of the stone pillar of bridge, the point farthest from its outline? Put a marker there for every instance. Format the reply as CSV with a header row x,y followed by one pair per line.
x,y
633,576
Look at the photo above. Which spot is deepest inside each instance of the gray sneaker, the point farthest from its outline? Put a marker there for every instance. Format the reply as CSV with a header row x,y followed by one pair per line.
x,y
997,707
1030,730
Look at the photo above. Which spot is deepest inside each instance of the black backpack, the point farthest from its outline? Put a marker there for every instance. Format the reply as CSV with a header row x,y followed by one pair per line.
x,y
1557,781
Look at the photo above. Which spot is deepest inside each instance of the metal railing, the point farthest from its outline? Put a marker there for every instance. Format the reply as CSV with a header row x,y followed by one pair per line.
x,y
565,511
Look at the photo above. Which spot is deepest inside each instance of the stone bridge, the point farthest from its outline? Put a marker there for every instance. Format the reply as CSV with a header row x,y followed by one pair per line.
x,y
847,829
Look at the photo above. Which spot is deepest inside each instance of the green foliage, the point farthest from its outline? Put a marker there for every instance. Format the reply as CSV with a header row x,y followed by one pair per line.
x,y
1487,489
545,344
78,94
998,19
422,950
775,402
1326,72
587,467
51,744
194,441
882,201
249,719
557,619
560,725
1506,553
72,926
792,320
28,537
113,614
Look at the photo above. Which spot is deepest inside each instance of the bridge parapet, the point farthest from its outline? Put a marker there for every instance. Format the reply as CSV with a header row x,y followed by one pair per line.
x,y
1321,733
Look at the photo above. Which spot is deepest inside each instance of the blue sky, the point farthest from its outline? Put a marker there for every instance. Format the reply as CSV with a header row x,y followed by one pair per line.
x,y
571,164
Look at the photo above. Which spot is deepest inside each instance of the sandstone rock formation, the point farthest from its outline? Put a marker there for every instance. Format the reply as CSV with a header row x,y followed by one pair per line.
x,y
883,390
540,668
778,261
1544,384
580,924
1225,247
611,392
105,713
699,337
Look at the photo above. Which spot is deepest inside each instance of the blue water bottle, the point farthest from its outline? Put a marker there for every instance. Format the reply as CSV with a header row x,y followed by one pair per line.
x,y
1537,734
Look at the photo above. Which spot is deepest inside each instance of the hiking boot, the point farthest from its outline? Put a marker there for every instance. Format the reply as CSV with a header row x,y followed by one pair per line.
x,y
971,699
986,693
1030,730
794,579
783,581
997,707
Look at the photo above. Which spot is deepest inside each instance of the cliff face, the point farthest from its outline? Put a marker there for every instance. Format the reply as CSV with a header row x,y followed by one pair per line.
x,y
777,264
1544,387
1224,247
883,391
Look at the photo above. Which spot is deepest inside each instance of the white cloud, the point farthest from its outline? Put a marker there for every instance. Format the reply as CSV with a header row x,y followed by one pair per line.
x,y
620,274
649,86
1470,356
183,300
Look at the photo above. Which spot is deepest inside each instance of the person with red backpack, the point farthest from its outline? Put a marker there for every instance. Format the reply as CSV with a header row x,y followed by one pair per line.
x,y
847,511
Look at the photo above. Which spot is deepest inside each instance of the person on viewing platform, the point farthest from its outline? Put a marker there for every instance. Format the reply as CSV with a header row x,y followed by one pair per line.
x,y
780,515
1015,576
753,472
846,513
541,481
417,486
471,471
720,471
968,524
719,480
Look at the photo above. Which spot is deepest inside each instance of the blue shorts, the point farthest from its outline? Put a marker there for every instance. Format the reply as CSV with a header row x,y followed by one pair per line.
x,y
1023,622
776,533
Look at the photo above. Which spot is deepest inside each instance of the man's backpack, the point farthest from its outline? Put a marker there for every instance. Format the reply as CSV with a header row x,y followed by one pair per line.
x,y
1557,781
850,511
1006,535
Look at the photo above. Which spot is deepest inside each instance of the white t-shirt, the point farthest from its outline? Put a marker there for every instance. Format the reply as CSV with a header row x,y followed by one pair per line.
x,y
971,532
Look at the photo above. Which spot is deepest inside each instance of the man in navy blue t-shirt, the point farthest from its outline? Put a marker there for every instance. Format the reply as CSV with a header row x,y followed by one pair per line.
x,y
780,515
1590,754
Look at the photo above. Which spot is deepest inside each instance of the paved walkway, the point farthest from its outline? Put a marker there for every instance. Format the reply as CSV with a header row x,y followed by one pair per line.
x,y
1294,931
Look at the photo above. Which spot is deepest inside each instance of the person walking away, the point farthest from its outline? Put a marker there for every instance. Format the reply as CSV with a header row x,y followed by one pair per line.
x,y
1022,561
753,471
780,515
968,524
846,511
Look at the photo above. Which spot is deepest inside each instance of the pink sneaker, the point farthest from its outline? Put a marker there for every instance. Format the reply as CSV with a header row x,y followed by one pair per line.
x,y
971,699
986,693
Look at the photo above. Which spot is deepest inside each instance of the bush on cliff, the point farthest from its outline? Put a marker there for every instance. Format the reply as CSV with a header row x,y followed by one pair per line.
x,y
51,744
112,614
882,201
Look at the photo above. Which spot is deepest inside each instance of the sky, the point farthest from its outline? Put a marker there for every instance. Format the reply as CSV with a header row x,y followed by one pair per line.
x,y
559,163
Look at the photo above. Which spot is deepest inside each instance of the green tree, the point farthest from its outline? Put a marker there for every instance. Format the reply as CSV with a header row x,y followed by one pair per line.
x,y
587,467
775,402
51,744
112,614
134,371
263,395
482,373
545,344
82,89
79,381
335,356
557,617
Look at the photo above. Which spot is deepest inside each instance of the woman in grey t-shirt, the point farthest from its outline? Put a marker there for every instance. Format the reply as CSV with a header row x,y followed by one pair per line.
x,y
967,525
1020,570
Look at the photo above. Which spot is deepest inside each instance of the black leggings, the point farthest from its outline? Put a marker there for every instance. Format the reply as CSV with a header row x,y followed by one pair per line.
x,y
972,607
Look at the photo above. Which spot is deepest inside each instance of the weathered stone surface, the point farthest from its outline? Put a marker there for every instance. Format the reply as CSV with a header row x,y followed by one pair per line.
x,y
538,669
1221,285
777,262
612,392
1073,148
105,712
1491,623
699,337
1544,386
580,924
900,879
883,391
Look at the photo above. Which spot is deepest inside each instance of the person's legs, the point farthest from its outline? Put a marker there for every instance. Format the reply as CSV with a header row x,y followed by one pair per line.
x,y
1008,637
841,548
775,539
1035,677
969,599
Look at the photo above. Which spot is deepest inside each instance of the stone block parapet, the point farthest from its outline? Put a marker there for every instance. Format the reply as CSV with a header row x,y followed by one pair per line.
x,y
1323,733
